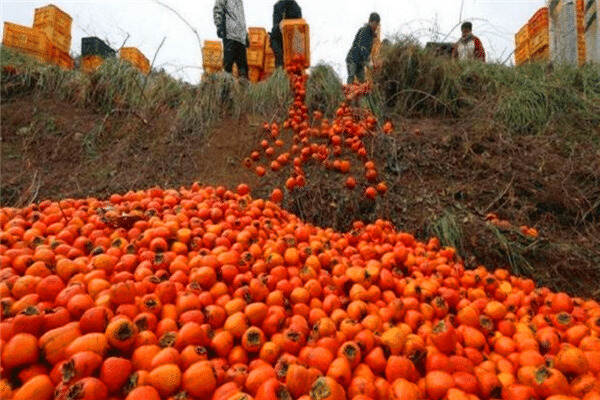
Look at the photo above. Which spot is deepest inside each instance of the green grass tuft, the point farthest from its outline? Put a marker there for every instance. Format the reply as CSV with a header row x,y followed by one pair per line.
x,y
531,99
324,90
448,230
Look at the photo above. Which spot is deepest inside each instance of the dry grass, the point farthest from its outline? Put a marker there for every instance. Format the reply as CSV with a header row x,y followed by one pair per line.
x,y
536,98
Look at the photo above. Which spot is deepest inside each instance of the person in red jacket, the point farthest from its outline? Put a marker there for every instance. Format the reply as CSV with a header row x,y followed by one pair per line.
x,y
469,46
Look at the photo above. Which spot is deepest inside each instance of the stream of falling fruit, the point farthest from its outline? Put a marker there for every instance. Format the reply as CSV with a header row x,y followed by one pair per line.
x,y
350,125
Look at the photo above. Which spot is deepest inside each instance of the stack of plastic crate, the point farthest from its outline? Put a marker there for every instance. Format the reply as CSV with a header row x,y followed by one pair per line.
x,y
56,24
30,41
269,63
256,53
48,41
522,52
212,56
539,35
93,53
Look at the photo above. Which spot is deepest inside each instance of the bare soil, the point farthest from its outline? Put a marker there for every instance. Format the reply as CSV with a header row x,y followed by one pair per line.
x,y
52,150
440,173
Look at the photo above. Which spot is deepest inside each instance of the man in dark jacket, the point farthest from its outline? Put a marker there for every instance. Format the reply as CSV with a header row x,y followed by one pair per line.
x,y
283,9
358,56
231,28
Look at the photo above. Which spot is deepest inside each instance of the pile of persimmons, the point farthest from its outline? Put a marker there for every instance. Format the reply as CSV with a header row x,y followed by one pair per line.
x,y
207,294
204,293
319,140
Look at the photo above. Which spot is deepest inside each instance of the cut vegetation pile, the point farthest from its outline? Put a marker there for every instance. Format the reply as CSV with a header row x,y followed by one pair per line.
x,y
470,139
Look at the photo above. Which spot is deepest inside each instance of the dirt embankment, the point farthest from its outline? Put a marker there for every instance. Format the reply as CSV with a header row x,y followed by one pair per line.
x,y
53,150
443,176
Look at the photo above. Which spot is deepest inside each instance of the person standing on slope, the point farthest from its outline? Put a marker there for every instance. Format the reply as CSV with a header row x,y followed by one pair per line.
x,y
468,47
283,9
231,28
358,56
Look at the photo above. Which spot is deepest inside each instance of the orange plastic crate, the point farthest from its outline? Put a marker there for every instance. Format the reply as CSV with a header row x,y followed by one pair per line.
x,y
581,45
210,70
255,56
522,54
129,53
254,74
540,40
581,49
30,41
257,37
91,63
135,57
269,65
296,40
538,22
542,54
522,36
56,24
54,17
212,55
62,59
580,17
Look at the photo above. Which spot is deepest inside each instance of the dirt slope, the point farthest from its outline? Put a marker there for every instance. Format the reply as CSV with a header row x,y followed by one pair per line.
x,y
52,150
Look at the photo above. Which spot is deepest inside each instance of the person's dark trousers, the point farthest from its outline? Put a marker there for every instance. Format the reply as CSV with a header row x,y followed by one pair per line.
x,y
355,71
277,46
235,52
